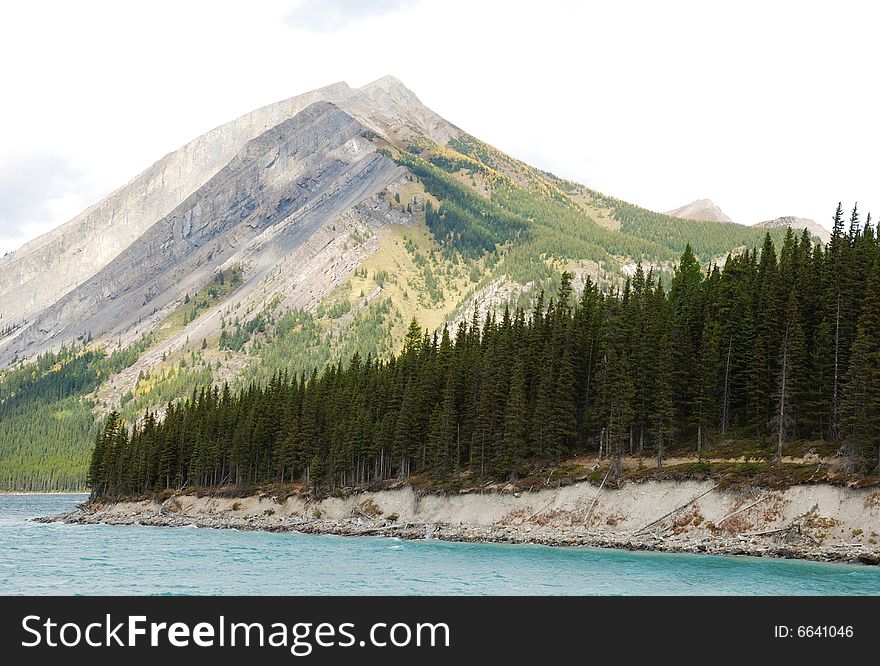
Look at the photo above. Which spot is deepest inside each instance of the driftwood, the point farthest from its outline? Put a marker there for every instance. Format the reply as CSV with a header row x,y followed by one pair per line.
x,y
596,498
385,528
540,510
674,511
787,528
815,541
745,508
373,530
360,512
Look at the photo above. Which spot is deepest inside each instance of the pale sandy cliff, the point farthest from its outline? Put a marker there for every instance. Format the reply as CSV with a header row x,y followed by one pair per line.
x,y
818,521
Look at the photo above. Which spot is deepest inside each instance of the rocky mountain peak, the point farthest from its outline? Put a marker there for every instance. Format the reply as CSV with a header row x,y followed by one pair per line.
x,y
701,209
797,224
389,84
395,112
48,267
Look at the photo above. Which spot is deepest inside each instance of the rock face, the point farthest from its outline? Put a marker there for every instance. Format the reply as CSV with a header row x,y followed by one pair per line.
x,y
290,179
42,271
251,191
797,224
701,209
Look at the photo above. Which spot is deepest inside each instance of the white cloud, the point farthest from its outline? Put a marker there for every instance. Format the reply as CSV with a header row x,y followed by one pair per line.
x,y
333,15
35,191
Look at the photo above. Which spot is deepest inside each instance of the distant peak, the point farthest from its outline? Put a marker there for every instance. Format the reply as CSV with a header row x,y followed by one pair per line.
x,y
386,82
701,209
391,86
339,86
797,224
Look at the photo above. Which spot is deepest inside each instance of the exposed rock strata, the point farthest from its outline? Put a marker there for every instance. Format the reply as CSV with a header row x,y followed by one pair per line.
x,y
258,210
45,269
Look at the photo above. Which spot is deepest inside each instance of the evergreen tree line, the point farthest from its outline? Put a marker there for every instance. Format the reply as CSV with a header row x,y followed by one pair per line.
x,y
779,345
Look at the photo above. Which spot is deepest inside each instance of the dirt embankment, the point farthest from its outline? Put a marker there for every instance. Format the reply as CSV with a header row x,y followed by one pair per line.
x,y
818,522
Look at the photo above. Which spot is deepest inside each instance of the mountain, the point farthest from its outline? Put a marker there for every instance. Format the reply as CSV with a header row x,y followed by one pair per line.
x,y
797,224
299,235
277,191
701,209
48,267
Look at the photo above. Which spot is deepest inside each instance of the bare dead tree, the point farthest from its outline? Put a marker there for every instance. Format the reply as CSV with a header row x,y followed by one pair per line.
x,y
835,398
725,397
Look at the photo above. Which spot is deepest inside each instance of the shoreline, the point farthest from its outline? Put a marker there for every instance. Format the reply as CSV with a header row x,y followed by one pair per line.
x,y
722,546
44,492
803,522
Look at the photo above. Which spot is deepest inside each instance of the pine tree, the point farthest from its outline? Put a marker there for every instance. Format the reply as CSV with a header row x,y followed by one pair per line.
x,y
791,378
837,236
514,443
619,407
563,414
686,322
861,403
704,408
663,406
855,226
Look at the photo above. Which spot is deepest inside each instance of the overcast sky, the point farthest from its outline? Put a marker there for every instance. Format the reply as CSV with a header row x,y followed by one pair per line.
x,y
767,108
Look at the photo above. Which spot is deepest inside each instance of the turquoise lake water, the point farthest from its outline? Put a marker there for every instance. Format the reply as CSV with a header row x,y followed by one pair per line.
x,y
98,559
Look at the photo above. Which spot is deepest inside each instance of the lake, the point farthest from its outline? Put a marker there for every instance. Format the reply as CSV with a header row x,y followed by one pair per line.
x,y
39,559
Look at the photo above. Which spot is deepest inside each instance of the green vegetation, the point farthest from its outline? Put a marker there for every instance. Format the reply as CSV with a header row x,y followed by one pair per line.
x,y
243,333
46,446
45,425
707,239
216,291
563,216
465,221
525,222
297,345
487,216
748,349
164,385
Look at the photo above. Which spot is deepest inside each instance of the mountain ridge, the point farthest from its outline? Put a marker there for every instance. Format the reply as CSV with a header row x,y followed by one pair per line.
x,y
78,313
78,248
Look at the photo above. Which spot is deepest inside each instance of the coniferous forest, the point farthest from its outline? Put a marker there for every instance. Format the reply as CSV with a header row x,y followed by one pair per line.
x,y
781,344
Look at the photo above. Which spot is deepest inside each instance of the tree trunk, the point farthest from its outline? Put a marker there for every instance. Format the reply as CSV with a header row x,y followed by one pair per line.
x,y
725,398
834,397
783,397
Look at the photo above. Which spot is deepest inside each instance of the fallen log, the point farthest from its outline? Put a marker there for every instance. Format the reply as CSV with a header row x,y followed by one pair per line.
x,y
596,498
674,511
745,508
787,528
540,510
360,512
373,530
